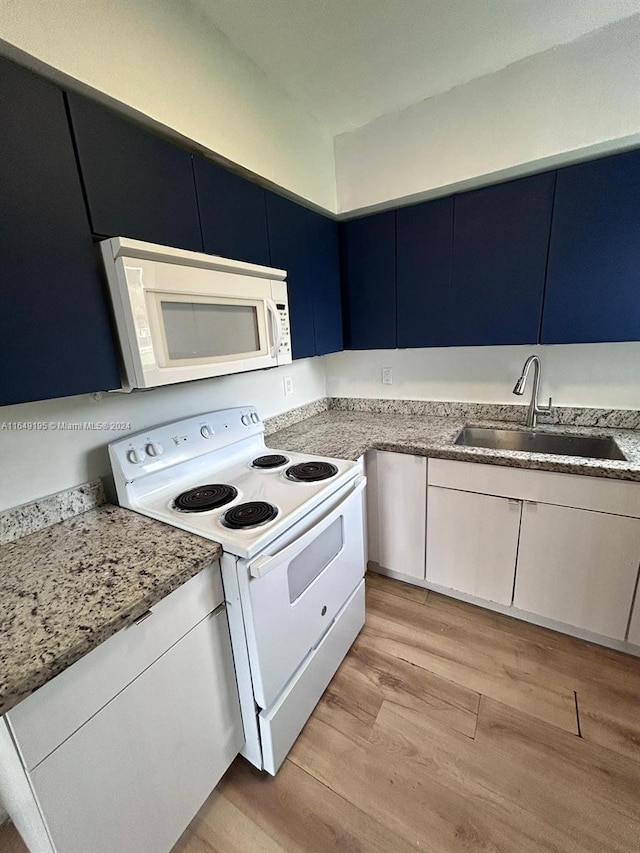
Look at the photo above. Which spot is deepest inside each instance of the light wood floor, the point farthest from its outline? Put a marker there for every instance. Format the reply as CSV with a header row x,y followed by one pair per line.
x,y
447,729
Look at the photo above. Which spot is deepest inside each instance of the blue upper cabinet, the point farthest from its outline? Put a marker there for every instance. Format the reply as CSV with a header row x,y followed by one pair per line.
x,y
327,297
424,237
593,280
500,247
55,336
233,214
368,247
136,183
305,244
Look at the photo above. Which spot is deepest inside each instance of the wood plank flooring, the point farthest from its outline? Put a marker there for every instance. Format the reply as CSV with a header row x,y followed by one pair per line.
x,y
447,729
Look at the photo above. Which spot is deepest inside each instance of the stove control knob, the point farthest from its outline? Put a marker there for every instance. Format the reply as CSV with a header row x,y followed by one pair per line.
x,y
254,417
135,456
154,449
246,420
206,431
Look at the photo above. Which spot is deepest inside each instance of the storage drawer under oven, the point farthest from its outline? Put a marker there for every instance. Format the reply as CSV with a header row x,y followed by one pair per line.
x,y
295,594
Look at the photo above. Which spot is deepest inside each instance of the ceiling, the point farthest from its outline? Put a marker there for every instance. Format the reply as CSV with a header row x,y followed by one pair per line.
x,y
351,61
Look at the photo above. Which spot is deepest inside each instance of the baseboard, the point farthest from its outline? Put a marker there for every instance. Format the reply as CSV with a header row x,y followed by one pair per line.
x,y
513,612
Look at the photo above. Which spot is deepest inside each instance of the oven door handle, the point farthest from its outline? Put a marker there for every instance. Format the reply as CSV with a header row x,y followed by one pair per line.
x,y
267,562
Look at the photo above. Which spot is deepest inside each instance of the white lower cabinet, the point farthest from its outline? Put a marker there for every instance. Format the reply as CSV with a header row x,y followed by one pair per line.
x,y
396,507
559,549
578,567
472,542
131,777
572,542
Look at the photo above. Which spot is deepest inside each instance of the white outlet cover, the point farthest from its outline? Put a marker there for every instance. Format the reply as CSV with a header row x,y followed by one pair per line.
x,y
288,386
387,376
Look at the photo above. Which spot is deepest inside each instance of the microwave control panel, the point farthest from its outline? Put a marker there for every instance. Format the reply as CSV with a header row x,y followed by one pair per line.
x,y
285,331
279,297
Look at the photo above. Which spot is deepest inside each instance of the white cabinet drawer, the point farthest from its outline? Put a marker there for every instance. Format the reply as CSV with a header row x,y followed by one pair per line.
x,y
133,776
281,724
618,497
46,718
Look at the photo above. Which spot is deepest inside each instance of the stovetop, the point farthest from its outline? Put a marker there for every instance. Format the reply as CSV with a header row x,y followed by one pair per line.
x,y
213,450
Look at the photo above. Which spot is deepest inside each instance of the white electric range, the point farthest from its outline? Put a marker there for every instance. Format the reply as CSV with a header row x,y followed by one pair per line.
x,y
292,532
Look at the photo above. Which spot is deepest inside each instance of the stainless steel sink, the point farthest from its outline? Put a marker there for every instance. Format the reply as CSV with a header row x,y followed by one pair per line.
x,y
540,442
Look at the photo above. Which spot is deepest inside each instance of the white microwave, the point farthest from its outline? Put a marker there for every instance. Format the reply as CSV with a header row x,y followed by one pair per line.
x,y
184,315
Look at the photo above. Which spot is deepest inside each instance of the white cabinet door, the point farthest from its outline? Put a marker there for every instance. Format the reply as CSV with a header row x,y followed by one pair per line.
x,y
131,779
54,712
472,542
578,567
396,506
634,625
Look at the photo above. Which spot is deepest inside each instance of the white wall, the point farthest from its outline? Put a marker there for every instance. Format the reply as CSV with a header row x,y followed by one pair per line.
x,y
166,60
578,99
598,375
34,463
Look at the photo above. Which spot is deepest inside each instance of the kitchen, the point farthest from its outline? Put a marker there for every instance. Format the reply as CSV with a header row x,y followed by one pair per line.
x,y
234,110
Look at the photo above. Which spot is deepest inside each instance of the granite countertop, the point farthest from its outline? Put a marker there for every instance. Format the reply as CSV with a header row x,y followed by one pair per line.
x,y
347,435
67,588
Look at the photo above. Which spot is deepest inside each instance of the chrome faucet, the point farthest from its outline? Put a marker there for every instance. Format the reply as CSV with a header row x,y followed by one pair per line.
x,y
534,408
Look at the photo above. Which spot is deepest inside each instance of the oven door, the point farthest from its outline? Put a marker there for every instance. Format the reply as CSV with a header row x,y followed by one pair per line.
x,y
292,596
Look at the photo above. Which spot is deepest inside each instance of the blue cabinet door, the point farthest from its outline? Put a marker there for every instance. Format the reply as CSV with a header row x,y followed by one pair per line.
x,y
55,336
593,280
233,214
136,183
424,238
368,247
327,296
304,243
500,246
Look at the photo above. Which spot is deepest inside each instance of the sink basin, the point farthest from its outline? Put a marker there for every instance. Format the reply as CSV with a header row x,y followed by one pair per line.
x,y
540,442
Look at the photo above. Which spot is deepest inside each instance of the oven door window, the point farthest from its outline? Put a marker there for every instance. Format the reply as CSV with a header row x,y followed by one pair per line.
x,y
315,558
207,329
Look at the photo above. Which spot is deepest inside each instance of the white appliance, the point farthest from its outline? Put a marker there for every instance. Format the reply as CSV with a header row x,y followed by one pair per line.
x,y
185,315
292,532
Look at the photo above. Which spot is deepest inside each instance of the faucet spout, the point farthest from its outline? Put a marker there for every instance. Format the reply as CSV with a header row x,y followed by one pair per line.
x,y
534,408
519,386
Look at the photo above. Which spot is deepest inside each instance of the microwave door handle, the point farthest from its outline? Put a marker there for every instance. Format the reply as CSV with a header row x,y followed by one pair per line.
x,y
276,332
267,562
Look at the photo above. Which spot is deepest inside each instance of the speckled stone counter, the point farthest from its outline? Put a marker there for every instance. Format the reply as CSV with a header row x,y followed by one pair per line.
x,y
67,588
348,434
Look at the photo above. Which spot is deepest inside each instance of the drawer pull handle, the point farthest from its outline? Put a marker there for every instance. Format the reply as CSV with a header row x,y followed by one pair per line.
x,y
324,610
143,616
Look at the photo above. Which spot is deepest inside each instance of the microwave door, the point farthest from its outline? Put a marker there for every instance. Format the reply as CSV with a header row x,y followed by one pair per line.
x,y
213,329
198,336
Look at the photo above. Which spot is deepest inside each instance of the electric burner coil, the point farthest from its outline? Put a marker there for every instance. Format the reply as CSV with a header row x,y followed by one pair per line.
x,y
271,460
248,515
204,498
311,472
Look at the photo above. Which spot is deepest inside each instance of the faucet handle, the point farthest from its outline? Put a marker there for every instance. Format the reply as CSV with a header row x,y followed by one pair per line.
x,y
548,408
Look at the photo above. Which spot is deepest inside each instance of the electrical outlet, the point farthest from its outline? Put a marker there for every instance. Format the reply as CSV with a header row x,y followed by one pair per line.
x,y
387,376
288,386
